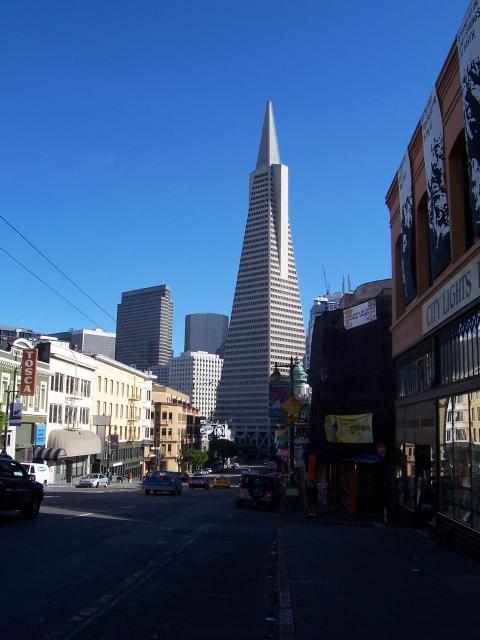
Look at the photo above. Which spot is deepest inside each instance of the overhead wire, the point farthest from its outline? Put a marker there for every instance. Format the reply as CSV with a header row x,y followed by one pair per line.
x,y
50,262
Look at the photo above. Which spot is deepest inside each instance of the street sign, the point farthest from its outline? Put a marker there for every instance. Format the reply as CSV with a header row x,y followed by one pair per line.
x,y
292,406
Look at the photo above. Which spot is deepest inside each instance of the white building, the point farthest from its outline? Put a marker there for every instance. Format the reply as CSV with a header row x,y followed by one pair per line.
x,y
197,373
266,323
70,443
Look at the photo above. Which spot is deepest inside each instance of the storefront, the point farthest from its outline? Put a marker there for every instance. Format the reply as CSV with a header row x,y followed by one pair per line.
x,y
438,432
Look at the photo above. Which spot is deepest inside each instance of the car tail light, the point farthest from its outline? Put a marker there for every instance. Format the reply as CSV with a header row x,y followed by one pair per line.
x,y
268,495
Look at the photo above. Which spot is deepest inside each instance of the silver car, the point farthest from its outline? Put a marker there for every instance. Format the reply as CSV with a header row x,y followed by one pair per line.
x,y
93,480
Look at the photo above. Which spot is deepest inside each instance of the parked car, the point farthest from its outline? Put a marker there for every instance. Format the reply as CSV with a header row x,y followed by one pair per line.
x,y
207,471
185,476
40,471
221,483
259,490
18,490
93,480
198,482
162,482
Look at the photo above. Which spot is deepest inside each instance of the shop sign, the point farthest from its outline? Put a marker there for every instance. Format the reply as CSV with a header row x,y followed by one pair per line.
x,y
459,291
40,434
349,428
28,372
360,314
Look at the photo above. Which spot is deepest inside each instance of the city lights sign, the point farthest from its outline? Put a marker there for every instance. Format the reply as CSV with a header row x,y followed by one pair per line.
x,y
28,372
459,291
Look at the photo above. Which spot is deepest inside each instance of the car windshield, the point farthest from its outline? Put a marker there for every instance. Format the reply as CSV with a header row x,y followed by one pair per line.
x,y
90,476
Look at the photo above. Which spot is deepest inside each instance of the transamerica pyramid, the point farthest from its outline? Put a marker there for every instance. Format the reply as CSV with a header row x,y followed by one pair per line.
x,y
266,324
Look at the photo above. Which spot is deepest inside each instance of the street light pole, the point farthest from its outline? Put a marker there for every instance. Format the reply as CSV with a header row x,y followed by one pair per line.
x,y
9,392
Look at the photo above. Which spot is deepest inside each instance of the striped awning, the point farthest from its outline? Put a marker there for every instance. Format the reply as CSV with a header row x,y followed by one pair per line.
x,y
44,453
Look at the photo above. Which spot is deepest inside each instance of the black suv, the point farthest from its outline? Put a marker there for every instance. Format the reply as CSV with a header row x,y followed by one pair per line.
x,y
259,490
17,490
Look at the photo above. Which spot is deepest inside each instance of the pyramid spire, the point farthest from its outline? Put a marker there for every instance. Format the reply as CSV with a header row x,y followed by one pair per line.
x,y
268,152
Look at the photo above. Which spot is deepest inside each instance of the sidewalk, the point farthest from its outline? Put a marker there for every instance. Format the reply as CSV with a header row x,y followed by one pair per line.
x,y
353,577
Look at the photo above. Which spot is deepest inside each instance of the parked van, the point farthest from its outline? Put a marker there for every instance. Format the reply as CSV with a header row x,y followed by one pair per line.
x,y
40,471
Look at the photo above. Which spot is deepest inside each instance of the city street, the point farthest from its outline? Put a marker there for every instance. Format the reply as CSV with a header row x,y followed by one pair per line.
x,y
113,563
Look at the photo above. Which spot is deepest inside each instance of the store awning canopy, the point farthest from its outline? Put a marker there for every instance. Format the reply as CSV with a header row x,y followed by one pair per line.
x,y
75,442
44,453
365,457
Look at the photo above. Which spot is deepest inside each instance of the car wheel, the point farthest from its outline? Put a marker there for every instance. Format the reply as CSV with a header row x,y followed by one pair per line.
x,y
147,492
31,512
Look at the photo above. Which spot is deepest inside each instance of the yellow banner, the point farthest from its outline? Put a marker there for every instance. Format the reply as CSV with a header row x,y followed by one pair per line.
x,y
349,429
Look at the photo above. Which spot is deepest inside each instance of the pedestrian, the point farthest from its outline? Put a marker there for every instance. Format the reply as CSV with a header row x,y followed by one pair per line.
x,y
312,498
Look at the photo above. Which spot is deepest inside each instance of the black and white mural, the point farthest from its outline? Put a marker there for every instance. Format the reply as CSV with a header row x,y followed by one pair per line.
x,y
468,44
404,177
434,158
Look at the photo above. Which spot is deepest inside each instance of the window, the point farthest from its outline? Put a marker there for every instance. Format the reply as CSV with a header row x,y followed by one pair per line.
x,y
99,383
105,385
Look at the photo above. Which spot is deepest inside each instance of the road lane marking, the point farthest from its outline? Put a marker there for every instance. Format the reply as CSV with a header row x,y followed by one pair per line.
x,y
79,515
89,615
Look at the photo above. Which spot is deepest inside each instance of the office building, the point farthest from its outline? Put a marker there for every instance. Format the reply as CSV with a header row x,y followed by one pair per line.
x,y
266,323
327,302
89,341
205,332
197,373
144,327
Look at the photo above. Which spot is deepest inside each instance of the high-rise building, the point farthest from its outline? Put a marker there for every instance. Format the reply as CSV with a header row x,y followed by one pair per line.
x,y
266,324
144,327
89,341
197,373
205,332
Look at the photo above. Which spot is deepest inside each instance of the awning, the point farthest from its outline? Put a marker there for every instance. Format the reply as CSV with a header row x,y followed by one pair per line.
x,y
79,442
369,458
42,453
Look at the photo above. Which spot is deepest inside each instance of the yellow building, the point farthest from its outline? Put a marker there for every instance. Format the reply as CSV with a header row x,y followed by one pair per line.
x,y
173,413
121,407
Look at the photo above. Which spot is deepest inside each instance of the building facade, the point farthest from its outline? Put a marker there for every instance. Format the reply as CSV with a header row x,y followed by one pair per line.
x,y
266,323
197,374
327,302
205,332
89,341
121,416
21,439
144,327
174,421
434,204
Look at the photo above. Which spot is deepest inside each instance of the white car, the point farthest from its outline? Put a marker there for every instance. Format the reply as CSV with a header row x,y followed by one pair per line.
x,y
93,480
40,471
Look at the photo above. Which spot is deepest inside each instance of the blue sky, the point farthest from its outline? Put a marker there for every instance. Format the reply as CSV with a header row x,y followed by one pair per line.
x,y
128,130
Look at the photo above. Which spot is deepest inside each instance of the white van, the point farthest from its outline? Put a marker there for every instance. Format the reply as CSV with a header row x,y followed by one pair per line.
x,y
40,471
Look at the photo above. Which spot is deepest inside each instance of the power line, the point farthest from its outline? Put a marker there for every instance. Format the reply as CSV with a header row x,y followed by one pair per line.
x,y
56,267
95,323
51,288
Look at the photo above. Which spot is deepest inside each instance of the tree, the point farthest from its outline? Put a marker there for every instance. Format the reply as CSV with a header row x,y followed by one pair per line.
x,y
223,448
195,457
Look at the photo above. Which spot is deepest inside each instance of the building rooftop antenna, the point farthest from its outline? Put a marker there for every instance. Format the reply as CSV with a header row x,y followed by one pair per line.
x,y
327,287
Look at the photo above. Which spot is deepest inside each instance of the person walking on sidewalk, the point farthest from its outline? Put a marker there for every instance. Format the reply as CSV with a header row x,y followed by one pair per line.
x,y
312,498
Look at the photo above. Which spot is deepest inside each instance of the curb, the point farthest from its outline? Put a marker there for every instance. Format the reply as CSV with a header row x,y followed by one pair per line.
x,y
286,625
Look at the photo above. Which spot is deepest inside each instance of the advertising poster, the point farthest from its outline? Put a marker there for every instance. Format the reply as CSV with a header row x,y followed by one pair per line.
x,y
434,158
404,178
15,414
360,314
349,429
40,434
468,45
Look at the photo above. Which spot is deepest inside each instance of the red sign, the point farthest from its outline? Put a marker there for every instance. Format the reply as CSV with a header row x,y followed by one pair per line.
x,y
29,371
381,449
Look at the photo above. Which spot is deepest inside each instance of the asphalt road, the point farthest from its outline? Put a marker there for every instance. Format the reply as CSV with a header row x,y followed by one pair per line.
x,y
101,564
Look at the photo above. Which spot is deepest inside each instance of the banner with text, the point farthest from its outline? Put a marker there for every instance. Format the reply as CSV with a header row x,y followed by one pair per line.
x,y
434,158
404,178
360,314
468,45
28,372
349,429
